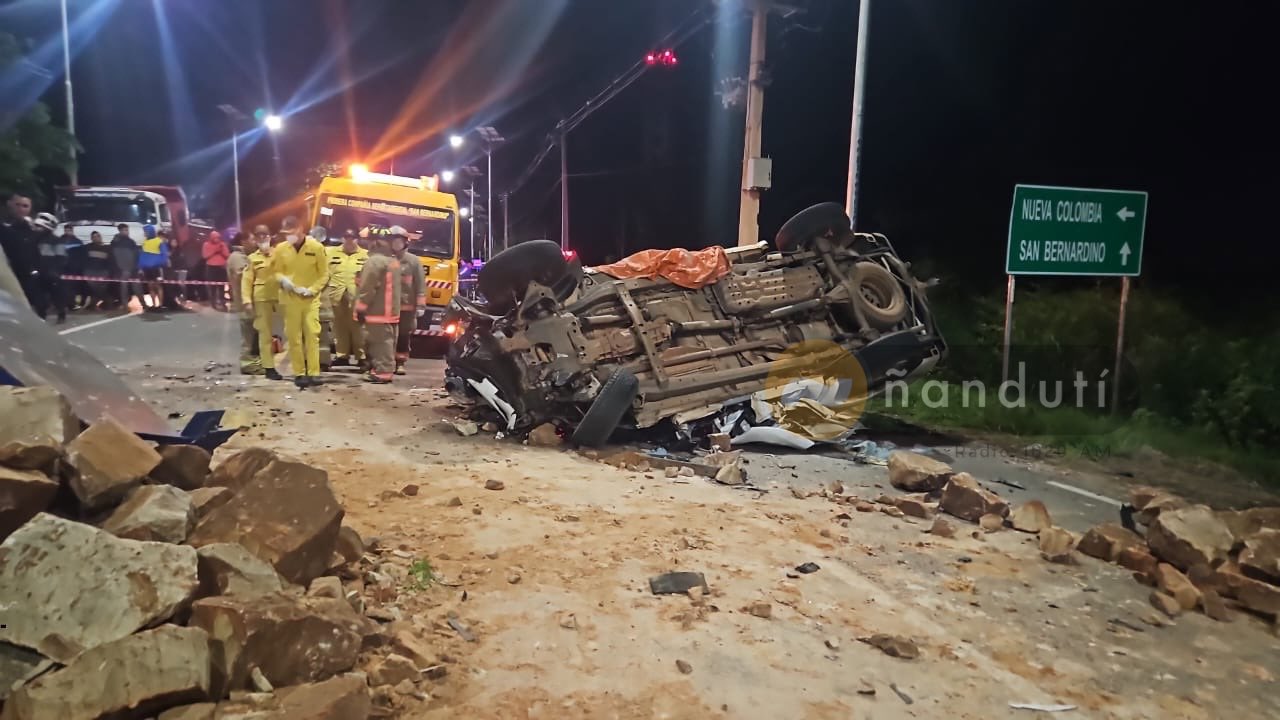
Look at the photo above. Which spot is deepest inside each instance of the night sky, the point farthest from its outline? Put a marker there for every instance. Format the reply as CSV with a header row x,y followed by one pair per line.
x,y
965,99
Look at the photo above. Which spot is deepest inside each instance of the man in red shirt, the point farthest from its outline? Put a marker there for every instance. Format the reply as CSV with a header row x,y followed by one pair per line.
x,y
215,253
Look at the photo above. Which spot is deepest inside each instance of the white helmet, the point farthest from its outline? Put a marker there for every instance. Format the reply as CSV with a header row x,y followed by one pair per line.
x,y
45,221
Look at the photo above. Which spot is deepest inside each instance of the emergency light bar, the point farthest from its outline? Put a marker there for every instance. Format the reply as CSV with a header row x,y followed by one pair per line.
x,y
361,174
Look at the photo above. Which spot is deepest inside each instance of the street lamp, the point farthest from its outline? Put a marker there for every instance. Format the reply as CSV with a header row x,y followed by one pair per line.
x,y
464,212
234,116
491,139
455,141
446,175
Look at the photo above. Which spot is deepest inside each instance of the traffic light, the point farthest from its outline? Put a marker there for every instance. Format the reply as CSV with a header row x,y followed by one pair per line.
x,y
664,57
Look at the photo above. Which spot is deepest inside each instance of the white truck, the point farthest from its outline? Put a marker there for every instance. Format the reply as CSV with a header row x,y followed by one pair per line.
x,y
103,208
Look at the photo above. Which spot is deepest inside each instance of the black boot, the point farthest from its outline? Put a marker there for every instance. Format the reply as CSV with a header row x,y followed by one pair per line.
x,y
273,375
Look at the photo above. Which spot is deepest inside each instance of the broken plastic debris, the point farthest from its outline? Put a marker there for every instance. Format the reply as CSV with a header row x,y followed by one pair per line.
x,y
1040,707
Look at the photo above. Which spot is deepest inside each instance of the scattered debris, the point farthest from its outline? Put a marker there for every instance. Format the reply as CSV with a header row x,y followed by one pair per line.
x,y
677,583
965,499
1041,707
409,490
865,688
864,506
1108,540
230,569
893,645
942,528
109,462
492,484
545,435
761,609
463,631
684,667
1031,516
806,568
1056,545
454,501
1174,583
1165,603
914,507
730,474
1215,607
720,442
183,466
1260,558
833,643
917,473
901,695
159,513
465,428
991,523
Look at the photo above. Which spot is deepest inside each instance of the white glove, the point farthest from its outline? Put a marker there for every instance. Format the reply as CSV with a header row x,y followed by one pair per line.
x,y
304,292
422,311
286,283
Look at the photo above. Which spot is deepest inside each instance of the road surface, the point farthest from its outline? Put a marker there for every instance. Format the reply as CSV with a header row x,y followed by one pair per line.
x,y
551,571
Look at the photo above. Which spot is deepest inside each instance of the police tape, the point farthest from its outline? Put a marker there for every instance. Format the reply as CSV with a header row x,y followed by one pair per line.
x,y
162,280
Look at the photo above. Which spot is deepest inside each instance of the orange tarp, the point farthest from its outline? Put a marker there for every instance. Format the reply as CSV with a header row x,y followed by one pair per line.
x,y
686,268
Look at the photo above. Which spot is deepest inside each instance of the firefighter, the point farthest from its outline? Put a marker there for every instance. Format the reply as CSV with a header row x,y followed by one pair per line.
x,y
345,263
413,294
242,303
301,267
259,289
378,307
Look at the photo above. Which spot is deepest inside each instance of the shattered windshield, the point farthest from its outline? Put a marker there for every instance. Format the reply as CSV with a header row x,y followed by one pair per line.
x,y
430,229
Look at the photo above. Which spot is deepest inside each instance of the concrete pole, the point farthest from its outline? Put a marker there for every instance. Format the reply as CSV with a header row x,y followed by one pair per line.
x,y
506,221
749,212
855,129
71,106
564,191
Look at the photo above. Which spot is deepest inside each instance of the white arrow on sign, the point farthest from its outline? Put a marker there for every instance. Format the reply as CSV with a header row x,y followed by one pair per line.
x,y
1124,253
1125,213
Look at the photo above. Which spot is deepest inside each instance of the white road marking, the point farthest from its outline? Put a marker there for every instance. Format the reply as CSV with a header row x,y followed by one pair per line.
x,y
96,323
1086,493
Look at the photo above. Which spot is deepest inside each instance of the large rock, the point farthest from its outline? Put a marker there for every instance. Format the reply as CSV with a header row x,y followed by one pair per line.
x,y
1258,596
965,499
1189,536
1244,523
1108,540
1031,516
290,639
23,494
1138,559
1260,558
236,471
35,424
182,466
1056,545
287,515
229,569
17,665
1159,502
68,587
207,499
1174,583
345,697
917,473
136,675
160,513
109,462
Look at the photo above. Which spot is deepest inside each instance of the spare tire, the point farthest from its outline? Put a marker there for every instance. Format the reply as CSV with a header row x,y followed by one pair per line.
x,y
879,295
804,227
505,278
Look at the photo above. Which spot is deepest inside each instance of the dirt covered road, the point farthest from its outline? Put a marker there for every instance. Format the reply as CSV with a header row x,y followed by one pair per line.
x,y
537,600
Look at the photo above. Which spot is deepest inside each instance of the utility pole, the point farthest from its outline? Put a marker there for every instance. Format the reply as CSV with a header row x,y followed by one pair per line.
x,y
855,129
471,215
506,221
749,212
235,171
71,107
564,190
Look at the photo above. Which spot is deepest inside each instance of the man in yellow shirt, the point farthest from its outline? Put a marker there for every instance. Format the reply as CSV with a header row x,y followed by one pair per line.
x,y
237,264
258,287
301,266
345,263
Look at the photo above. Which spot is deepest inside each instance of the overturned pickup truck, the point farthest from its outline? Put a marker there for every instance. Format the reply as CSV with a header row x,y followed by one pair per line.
x,y
595,353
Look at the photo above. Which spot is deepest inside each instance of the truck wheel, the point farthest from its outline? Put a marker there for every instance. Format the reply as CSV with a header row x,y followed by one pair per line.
x,y
804,227
879,295
613,401
504,279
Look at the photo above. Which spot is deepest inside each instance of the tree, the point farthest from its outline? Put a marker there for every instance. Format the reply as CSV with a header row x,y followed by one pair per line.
x,y
28,140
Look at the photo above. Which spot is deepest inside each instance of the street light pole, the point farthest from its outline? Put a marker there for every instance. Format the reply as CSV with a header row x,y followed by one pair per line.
x,y
471,216
71,108
855,130
489,203
749,208
235,171
564,190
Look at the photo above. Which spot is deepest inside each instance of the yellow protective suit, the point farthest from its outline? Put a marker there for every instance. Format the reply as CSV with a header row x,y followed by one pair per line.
x,y
306,268
341,292
259,287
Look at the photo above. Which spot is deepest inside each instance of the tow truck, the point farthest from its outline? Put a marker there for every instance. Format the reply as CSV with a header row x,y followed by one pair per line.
x,y
365,198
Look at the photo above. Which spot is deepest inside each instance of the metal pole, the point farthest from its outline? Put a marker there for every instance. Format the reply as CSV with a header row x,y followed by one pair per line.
x,y
235,173
1008,330
749,210
506,221
489,203
564,191
471,217
71,106
1115,378
855,130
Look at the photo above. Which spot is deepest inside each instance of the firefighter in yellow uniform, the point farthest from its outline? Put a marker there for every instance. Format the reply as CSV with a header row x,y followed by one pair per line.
x,y
413,294
378,308
345,263
301,267
259,288
237,263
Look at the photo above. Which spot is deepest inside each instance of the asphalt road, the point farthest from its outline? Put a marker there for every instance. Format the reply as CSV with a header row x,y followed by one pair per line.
x,y
152,345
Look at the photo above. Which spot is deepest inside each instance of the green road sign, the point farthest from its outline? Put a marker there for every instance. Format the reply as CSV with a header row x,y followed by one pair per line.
x,y
1075,231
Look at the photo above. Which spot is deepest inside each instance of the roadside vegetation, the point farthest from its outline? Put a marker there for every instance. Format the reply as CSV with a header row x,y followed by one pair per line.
x,y
1191,386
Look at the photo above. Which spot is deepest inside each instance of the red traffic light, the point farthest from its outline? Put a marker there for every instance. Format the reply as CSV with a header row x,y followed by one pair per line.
x,y
665,57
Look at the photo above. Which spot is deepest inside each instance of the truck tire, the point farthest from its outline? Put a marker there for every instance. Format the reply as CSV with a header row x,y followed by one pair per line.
x,y
505,278
879,295
804,227
611,403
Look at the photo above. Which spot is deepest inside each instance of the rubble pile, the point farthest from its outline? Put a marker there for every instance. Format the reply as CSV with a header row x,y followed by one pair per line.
x,y
137,583
1192,556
